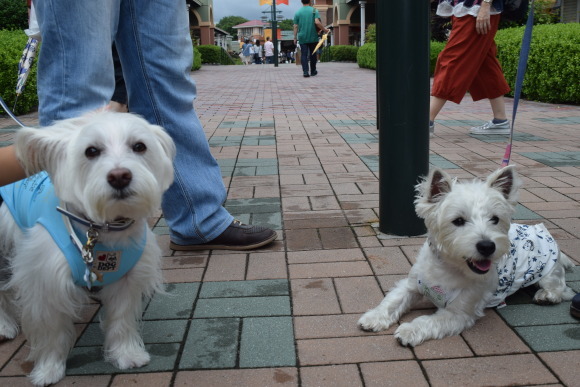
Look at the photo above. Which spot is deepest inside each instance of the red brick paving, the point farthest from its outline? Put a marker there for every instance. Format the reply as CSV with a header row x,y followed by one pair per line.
x,y
336,264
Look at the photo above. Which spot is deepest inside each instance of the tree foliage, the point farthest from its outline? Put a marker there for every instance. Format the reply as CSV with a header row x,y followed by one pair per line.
x,y
286,25
226,23
13,15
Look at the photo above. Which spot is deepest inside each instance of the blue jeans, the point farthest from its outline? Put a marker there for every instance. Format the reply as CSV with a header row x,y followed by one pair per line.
x,y
306,56
76,75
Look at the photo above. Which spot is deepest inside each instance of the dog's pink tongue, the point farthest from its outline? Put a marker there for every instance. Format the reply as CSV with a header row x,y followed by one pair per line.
x,y
482,265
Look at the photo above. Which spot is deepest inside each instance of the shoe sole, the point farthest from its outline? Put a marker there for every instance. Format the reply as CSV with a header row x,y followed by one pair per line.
x,y
176,247
491,131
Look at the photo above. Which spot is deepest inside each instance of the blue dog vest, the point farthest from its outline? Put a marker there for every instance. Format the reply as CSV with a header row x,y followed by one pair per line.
x,y
33,201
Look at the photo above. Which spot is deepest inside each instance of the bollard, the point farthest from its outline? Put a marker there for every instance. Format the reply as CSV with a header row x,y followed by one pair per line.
x,y
403,111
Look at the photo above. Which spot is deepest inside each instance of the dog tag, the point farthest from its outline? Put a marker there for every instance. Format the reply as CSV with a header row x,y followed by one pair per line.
x,y
89,277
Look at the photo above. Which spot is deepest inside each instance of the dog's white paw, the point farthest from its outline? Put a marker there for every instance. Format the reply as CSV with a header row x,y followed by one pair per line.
x,y
47,373
545,297
375,321
133,358
409,335
8,331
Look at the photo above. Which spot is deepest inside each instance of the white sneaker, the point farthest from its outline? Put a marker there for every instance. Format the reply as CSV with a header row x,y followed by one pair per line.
x,y
432,130
491,128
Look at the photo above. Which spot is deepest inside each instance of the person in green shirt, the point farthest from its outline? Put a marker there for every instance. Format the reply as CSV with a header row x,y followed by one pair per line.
x,y
306,23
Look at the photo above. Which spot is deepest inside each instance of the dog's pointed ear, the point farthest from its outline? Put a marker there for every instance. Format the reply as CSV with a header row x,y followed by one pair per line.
x,y
431,190
40,149
438,185
506,181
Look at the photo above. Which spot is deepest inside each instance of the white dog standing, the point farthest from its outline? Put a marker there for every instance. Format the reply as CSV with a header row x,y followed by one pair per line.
x,y
473,258
109,171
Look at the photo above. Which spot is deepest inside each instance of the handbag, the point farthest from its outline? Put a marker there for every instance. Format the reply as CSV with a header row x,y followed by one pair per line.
x,y
515,10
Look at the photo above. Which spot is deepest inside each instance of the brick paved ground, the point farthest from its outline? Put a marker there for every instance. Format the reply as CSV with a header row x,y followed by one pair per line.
x,y
300,155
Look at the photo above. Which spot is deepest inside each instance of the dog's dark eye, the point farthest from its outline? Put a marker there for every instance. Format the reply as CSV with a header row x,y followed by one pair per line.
x,y
494,220
139,147
92,152
459,222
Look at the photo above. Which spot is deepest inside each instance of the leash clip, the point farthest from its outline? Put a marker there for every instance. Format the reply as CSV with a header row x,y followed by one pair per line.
x,y
91,275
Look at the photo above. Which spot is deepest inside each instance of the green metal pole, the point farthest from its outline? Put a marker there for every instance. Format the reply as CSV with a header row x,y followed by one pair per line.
x,y
275,33
403,111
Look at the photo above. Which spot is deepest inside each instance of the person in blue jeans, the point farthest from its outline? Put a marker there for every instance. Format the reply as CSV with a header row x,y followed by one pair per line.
x,y
76,75
306,35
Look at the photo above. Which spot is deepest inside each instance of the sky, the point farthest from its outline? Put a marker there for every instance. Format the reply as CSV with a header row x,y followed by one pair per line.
x,y
250,9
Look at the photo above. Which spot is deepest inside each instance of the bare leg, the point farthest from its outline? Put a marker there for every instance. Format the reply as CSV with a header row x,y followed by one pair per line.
x,y
435,106
498,108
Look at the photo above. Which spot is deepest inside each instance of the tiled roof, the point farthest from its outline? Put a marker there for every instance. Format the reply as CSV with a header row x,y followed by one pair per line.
x,y
251,23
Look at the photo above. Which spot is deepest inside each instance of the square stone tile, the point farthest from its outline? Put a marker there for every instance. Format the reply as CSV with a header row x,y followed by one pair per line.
x,y
314,296
564,364
267,342
211,343
351,350
176,304
490,371
544,338
89,360
346,375
329,326
154,379
244,289
242,307
281,376
393,373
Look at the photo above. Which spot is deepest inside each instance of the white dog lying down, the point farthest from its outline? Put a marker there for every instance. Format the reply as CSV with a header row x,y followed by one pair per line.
x,y
109,172
473,258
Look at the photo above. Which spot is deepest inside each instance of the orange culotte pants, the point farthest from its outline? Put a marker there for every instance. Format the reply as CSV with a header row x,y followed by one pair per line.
x,y
469,63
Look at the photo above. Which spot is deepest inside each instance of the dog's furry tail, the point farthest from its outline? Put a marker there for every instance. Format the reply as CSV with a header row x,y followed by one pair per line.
x,y
566,262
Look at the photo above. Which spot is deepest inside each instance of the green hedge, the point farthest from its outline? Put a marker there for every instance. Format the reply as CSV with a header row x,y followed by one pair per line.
x,y
211,54
436,48
552,73
12,44
196,59
367,56
340,53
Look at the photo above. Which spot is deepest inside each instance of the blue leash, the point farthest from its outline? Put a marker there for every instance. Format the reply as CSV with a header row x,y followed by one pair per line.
x,y
10,113
522,64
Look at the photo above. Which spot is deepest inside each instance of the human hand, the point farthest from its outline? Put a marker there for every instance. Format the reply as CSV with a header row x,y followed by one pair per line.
x,y
482,22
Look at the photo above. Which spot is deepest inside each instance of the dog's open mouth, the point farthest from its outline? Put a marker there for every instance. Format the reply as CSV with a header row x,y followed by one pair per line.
x,y
479,266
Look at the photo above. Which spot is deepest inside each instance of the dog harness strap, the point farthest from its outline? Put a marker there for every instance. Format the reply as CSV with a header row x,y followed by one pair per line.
x,y
113,226
437,294
33,201
110,262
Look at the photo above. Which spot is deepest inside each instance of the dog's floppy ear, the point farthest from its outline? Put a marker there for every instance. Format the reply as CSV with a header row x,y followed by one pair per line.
x,y
165,140
506,181
41,149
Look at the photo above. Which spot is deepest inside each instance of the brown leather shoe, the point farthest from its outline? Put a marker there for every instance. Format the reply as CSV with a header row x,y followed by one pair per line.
x,y
237,236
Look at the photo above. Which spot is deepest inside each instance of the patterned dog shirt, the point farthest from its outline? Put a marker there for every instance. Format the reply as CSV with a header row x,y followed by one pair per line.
x,y
533,253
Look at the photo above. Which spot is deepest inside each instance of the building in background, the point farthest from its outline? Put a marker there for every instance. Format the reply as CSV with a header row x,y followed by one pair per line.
x,y
201,23
569,11
253,29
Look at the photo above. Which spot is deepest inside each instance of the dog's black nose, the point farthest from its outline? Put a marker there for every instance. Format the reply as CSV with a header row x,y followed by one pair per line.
x,y
119,178
485,248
